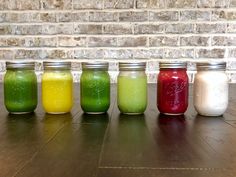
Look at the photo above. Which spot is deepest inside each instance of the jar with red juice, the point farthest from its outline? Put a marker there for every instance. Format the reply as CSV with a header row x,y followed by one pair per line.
x,y
172,88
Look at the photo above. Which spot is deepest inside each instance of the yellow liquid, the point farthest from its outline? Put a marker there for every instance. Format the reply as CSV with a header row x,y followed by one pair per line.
x,y
57,92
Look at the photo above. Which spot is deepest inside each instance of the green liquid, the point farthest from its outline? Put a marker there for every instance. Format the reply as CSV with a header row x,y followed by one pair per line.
x,y
95,91
20,91
132,94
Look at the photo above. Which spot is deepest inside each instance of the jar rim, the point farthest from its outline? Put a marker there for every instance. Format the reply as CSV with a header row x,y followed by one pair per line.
x,y
57,65
95,65
172,65
211,65
126,66
20,65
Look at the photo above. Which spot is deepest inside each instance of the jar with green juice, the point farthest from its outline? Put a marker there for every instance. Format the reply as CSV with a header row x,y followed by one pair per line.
x,y
20,87
95,87
132,88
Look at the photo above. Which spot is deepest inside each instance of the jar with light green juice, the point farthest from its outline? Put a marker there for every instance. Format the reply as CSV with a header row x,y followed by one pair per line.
x,y
132,88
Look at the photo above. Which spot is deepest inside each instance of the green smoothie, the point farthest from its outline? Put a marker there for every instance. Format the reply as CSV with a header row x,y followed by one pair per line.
x,y
132,94
20,91
95,91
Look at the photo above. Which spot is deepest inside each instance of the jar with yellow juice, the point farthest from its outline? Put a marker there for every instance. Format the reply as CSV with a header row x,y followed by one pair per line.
x,y
57,87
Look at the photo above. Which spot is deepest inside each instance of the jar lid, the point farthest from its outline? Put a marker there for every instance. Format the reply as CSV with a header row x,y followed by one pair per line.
x,y
166,65
211,66
56,65
125,66
95,65
20,64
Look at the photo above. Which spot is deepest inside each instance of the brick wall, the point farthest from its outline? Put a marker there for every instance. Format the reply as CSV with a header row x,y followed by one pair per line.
x,y
115,30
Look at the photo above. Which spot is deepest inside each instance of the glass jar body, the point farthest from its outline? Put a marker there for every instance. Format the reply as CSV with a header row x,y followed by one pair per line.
x,y
172,91
132,92
20,90
211,92
95,91
57,91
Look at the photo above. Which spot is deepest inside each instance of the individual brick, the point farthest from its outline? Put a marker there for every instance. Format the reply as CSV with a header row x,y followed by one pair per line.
x,y
133,16
231,28
205,3
88,54
211,28
210,53
118,4
26,29
49,29
141,54
6,29
157,4
232,53
156,53
179,28
224,41
3,17
103,16
118,54
170,53
8,5
221,3
64,17
141,4
65,28
80,17
3,42
164,16
149,29
56,54
195,41
70,41
14,42
39,42
57,4
27,54
188,15
218,15
87,29
132,42
159,41
27,4
48,17
117,29
85,4
6,54
22,17
101,42
231,15
180,3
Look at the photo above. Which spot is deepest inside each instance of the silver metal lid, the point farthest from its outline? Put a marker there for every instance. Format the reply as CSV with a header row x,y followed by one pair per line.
x,y
56,65
95,65
20,64
124,66
165,65
211,66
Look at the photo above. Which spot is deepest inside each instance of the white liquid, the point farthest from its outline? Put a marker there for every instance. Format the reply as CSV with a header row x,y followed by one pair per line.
x,y
211,93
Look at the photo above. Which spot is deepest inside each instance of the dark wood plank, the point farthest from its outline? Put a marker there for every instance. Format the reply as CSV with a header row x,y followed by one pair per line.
x,y
129,172
74,152
153,140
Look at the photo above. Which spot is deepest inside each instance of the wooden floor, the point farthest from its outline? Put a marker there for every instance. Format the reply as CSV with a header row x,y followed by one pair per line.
x,y
116,145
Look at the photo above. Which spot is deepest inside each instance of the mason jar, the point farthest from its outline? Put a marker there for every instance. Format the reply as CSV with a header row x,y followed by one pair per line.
x,y
132,88
172,88
211,89
95,87
57,87
20,87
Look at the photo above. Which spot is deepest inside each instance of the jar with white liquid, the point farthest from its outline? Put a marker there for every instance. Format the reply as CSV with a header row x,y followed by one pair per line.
x,y
211,89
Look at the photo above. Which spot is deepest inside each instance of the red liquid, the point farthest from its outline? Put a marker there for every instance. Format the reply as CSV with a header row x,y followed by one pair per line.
x,y
172,91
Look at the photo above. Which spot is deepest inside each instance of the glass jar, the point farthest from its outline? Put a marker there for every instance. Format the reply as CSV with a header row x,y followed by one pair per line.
x,y
132,88
172,88
211,89
20,87
95,88
57,87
